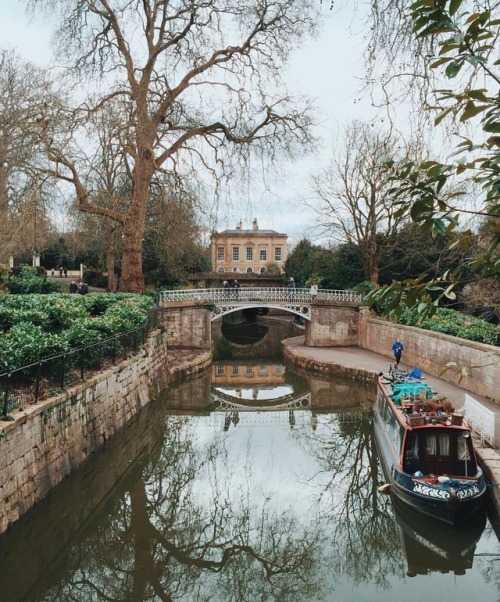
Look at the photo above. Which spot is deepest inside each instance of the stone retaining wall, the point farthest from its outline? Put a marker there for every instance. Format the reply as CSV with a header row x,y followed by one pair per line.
x,y
431,351
47,441
327,368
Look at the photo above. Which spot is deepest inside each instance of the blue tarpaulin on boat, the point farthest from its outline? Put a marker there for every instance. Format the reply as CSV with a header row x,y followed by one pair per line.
x,y
415,373
406,389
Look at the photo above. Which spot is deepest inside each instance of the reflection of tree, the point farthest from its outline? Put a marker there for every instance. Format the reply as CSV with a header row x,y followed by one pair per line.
x,y
365,542
489,562
183,532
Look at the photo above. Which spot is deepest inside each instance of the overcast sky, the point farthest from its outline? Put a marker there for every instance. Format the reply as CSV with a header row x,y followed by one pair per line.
x,y
326,69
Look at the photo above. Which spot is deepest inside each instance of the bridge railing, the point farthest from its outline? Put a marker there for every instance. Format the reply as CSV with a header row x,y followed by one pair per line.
x,y
279,295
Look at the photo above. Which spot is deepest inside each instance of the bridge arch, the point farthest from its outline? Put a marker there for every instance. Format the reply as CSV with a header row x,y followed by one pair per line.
x,y
219,311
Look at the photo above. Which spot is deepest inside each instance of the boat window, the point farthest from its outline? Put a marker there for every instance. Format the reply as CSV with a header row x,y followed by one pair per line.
x,y
431,444
462,450
444,444
413,446
437,444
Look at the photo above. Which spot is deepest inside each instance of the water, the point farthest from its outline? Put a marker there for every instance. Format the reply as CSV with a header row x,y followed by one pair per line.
x,y
203,499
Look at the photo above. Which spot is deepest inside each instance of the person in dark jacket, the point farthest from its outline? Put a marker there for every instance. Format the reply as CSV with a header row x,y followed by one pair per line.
x,y
73,287
397,350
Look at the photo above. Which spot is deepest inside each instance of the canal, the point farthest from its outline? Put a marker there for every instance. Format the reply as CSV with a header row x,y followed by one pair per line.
x,y
249,482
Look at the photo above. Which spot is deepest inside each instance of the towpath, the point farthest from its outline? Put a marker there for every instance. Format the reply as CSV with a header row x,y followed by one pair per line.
x,y
357,358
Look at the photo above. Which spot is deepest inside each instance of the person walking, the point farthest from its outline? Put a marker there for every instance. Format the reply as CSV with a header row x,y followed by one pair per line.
x,y
291,288
236,287
397,350
313,290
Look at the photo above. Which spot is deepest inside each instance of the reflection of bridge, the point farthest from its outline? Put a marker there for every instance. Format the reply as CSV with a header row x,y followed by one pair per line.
x,y
229,403
225,301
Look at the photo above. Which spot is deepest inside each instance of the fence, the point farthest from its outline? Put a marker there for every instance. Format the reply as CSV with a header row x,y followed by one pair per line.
x,y
481,419
253,295
48,377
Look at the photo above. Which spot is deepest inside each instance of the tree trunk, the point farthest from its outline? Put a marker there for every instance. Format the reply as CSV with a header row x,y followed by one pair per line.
x,y
110,261
132,278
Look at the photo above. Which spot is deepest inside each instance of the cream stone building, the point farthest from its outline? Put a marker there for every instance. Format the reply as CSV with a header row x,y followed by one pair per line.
x,y
248,251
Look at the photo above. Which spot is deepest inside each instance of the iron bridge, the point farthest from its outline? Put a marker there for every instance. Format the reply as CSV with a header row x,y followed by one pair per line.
x,y
223,402
225,301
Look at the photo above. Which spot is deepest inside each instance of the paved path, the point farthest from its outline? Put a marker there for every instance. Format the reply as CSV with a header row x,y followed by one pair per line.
x,y
65,282
355,357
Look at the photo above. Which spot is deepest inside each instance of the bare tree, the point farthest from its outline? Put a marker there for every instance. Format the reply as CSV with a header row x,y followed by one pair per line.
x,y
23,219
196,78
351,199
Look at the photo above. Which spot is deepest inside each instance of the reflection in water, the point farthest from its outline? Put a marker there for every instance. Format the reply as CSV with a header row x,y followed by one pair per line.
x,y
223,504
431,546
244,334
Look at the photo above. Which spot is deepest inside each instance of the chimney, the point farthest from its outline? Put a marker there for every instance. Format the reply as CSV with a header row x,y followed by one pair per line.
x,y
255,225
238,226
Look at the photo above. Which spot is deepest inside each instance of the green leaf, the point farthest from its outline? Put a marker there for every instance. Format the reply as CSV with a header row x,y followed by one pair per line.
x,y
453,69
437,63
454,6
442,115
476,60
478,95
471,110
492,126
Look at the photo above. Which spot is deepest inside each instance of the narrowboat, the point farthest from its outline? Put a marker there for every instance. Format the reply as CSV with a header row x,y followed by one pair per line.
x,y
426,450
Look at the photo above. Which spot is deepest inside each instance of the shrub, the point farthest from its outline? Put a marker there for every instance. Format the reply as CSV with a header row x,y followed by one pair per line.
x,y
36,326
27,280
4,272
449,321
26,344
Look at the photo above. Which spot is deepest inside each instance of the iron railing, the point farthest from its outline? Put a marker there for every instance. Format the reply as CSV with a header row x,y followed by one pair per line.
x,y
253,295
50,376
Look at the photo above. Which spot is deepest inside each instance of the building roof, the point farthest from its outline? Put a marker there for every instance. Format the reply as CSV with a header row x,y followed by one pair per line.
x,y
247,233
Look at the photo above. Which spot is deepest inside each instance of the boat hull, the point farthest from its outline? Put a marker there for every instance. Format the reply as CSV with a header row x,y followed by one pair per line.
x,y
447,504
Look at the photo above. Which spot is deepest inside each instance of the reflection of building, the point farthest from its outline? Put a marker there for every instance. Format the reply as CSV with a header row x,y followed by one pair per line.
x,y
230,374
248,251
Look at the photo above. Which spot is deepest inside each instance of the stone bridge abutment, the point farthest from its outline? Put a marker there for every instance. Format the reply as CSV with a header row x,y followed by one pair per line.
x,y
333,325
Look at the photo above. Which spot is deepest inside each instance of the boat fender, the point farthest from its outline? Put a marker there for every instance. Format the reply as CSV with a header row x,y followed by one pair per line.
x,y
385,488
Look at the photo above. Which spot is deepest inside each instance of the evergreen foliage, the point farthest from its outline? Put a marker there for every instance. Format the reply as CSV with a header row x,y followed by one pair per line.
x,y
36,327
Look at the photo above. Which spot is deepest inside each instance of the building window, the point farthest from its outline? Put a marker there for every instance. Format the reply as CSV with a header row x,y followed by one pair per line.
x,y
235,269
249,254
263,369
263,255
221,270
249,270
220,369
277,254
262,270
220,253
236,253
249,369
236,369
